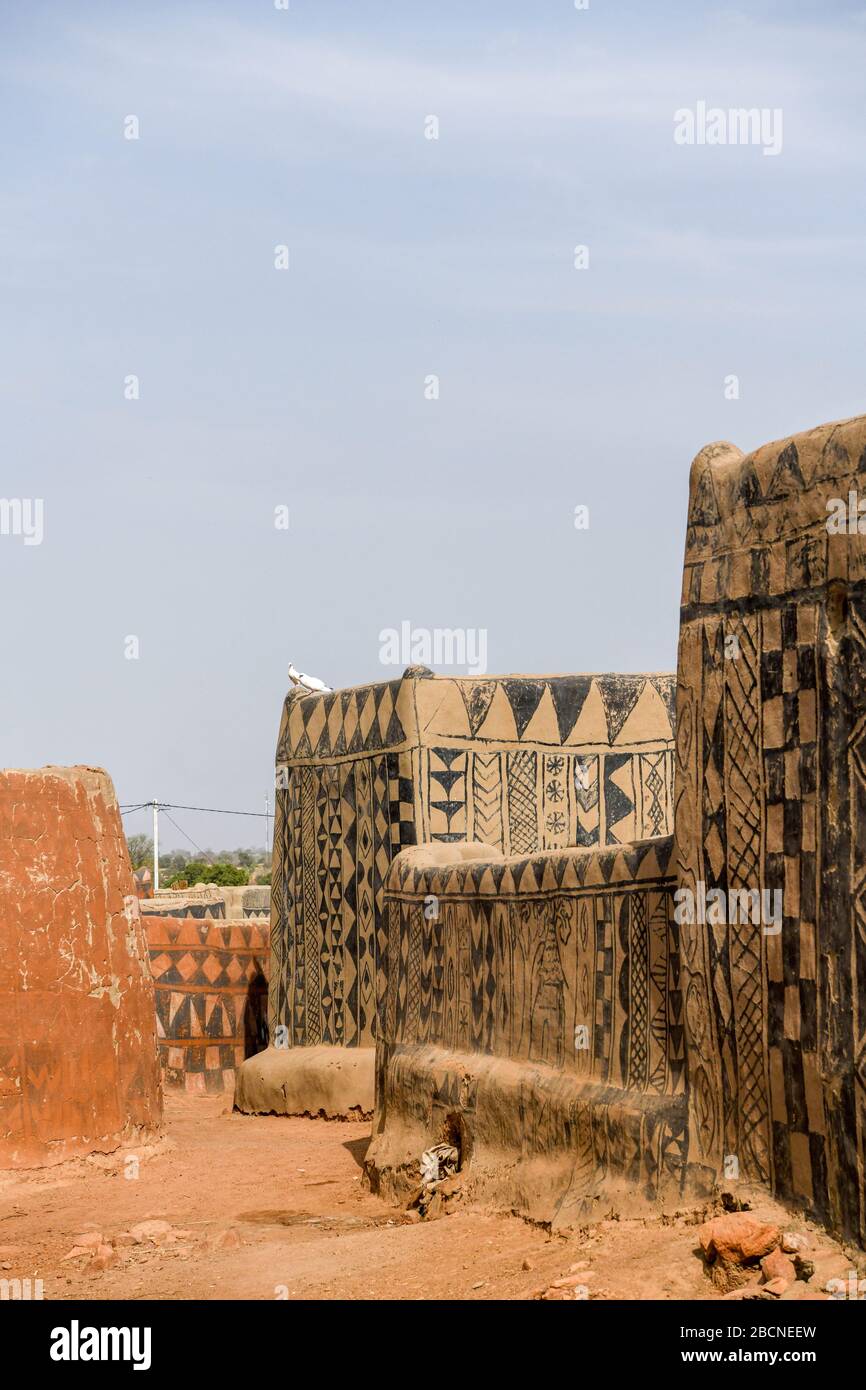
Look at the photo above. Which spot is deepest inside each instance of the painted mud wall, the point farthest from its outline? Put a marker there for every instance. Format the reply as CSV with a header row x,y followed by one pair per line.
x,y
78,1062
771,793
568,958
523,763
770,801
210,979
535,1005
231,903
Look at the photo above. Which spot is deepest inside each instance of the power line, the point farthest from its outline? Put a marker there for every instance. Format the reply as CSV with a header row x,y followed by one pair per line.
x,y
182,831
211,810
156,806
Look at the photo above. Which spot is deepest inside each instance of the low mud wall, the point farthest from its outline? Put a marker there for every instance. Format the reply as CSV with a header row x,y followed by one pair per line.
x,y
532,1015
211,998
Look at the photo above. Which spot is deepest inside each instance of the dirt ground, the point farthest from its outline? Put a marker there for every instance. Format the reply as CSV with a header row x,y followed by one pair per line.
x,y
266,1207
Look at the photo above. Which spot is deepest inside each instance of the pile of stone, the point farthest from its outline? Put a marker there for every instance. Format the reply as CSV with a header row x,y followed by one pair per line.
x,y
94,1251
749,1258
572,1286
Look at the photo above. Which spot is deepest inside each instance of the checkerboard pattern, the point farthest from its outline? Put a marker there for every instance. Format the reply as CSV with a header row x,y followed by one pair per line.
x,y
790,755
771,795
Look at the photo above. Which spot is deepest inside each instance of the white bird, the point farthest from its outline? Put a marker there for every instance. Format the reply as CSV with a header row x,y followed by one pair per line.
x,y
308,682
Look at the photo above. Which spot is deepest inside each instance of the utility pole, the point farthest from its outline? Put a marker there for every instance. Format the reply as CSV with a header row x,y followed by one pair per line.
x,y
267,827
155,805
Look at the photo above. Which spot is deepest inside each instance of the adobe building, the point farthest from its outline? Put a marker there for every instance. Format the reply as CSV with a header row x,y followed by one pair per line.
x,y
78,1059
567,1019
522,763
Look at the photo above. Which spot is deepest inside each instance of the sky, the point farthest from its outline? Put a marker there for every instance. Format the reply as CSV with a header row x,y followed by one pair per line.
x,y
431,387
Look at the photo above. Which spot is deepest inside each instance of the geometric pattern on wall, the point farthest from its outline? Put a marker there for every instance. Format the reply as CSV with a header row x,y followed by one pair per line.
x,y
569,959
211,984
770,795
553,711
522,763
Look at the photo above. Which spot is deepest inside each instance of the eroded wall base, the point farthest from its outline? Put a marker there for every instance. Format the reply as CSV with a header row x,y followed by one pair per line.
x,y
532,1138
328,1081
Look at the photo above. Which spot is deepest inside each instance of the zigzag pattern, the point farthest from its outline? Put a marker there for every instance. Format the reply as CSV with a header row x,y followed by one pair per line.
x,y
647,861
340,722
554,710
487,799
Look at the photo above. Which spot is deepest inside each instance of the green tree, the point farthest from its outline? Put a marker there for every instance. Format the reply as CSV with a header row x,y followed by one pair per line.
x,y
140,850
222,874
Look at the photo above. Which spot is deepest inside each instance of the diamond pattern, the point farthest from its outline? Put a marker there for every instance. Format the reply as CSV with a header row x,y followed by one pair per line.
x,y
214,992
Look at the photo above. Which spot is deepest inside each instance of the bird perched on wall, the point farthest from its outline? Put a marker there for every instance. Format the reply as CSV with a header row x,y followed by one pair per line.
x,y
307,682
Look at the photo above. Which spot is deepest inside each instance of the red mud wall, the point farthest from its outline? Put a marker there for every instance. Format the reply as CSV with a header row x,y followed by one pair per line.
x,y
211,997
78,1061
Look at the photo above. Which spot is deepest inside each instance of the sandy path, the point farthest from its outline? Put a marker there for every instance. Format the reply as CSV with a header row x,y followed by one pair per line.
x,y
275,1208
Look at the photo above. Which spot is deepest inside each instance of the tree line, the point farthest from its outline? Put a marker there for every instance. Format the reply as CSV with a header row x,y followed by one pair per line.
x,y
225,867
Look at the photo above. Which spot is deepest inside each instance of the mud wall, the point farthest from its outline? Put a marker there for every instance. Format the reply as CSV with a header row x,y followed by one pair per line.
x,y
770,866
211,998
78,1063
533,1005
231,903
771,795
204,903
523,763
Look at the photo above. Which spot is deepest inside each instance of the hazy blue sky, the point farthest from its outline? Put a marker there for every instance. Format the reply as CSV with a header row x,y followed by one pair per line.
x,y
409,256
